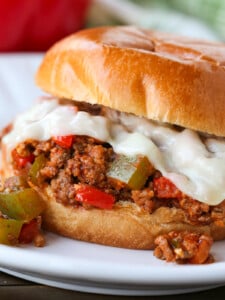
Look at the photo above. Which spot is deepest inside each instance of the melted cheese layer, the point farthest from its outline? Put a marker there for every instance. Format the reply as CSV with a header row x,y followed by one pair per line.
x,y
195,165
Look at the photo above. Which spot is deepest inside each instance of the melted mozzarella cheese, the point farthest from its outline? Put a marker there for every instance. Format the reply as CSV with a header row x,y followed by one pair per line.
x,y
195,165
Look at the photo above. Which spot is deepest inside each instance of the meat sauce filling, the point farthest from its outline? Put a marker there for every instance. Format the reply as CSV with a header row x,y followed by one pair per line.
x,y
86,162
75,166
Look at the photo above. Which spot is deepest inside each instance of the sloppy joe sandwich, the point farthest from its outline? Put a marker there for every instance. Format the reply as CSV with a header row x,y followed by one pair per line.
x,y
128,150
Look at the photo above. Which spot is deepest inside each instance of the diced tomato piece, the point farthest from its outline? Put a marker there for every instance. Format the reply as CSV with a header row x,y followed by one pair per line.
x,y
22,161
95,197
164,188
28,232
64,141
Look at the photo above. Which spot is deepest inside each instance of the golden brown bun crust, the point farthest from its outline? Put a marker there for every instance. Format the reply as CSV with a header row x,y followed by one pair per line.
x,y
125,226
155,75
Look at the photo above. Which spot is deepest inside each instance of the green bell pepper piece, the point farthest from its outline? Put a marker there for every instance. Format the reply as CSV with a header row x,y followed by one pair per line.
x,y
38,164
10,231
131,170
21,205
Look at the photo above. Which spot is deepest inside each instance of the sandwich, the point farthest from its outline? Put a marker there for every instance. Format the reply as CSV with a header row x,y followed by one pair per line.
x,y
128,149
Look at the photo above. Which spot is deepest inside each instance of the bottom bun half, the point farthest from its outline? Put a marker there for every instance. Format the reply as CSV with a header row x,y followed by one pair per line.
x,y
125,226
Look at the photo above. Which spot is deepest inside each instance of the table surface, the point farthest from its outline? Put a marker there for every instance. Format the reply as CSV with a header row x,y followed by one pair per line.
x,y
15,288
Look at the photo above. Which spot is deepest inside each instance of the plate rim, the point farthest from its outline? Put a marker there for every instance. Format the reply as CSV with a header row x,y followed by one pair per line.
x,y
24,258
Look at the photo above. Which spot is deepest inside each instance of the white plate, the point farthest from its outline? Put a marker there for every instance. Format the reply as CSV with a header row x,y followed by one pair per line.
x,y
87,267
93,268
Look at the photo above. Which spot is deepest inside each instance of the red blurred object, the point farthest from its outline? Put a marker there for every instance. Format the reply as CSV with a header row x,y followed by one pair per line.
x,y
34,25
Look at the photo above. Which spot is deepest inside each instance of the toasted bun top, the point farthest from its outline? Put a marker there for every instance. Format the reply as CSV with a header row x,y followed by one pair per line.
x,y
151,74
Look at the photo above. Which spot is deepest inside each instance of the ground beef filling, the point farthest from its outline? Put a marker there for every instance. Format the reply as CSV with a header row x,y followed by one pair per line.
x,y
87,162
184,247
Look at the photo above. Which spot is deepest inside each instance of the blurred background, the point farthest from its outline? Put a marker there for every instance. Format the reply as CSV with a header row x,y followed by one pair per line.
x,y
34,25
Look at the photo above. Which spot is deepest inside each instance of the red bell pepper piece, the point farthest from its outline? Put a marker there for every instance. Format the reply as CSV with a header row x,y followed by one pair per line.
x,y
95,197
22,161
64,141
28,232
164,188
